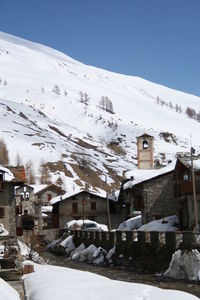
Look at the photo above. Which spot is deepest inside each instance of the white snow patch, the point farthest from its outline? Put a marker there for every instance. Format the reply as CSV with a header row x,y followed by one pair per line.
x,y
131,224
8,292
68,244
184,265
168,224
3,230
51,282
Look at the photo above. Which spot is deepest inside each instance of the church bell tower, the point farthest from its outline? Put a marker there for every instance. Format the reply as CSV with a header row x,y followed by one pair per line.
x,y
145,153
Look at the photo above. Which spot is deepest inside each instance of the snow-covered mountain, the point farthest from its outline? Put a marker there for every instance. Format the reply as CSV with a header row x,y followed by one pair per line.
x,y
58,109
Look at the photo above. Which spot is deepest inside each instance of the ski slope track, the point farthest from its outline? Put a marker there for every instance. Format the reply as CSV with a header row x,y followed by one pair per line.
x,y
44,116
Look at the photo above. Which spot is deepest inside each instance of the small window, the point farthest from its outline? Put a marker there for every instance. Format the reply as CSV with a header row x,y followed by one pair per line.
x,y
18,209
93,206
145,145
2,212
49,197
185,177
1,185
25,211
74,207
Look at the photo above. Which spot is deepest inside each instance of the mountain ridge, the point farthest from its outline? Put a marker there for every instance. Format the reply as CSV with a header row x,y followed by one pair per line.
x,y
57,108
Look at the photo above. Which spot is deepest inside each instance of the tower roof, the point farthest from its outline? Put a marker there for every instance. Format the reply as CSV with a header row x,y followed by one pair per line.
x,y
145,135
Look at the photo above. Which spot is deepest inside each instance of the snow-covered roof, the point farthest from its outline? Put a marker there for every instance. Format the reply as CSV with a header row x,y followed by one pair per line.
x,y
187,162
8,176
69,194
145,135
144,175
47,209
39,187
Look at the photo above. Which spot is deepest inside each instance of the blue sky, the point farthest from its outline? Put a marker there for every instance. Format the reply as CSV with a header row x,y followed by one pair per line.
x,y
158,40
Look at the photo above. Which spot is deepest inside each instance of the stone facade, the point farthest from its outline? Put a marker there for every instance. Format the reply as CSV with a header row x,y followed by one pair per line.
x,y
154,198
159,198
7,204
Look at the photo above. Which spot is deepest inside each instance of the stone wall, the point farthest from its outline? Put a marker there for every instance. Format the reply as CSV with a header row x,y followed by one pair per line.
x,y
51,234
147,251
159,198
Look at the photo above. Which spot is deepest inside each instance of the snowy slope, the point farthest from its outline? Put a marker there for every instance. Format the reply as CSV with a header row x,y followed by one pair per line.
x,y
44,124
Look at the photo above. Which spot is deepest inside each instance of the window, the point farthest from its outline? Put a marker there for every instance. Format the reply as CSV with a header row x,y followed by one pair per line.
x,y
1,185
93,206
145,144
74,207
18,209
49,197
2,212
25,211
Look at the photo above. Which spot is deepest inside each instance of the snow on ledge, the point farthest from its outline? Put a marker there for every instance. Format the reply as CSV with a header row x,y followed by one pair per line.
x,y
8,175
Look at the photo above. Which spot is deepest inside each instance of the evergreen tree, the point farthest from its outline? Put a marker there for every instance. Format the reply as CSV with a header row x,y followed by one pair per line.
x,y
18,160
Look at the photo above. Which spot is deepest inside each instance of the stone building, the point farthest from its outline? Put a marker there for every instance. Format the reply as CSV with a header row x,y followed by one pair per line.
x,y
149,191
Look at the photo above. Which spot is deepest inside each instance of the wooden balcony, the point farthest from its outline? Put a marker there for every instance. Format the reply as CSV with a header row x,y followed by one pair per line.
x,y
186,187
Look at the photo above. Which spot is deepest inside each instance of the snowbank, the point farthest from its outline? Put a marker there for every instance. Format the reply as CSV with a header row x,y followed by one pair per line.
x,y
51,282
8,292
68,244
169,224
131,224
91,254
184,265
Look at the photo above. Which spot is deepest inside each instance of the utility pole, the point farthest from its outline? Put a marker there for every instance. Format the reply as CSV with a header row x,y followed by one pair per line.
x,y
108,207
192,151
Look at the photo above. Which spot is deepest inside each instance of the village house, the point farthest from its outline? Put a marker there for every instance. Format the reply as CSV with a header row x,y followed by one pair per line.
x,y
158,193
81,204
184,191
32,203
43,193
7,197
150,192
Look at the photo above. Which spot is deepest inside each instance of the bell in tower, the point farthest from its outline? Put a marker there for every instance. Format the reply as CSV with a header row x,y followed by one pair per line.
x,y
145,152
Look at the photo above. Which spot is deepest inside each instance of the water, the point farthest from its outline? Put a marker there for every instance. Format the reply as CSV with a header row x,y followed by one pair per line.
x,y
125,274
